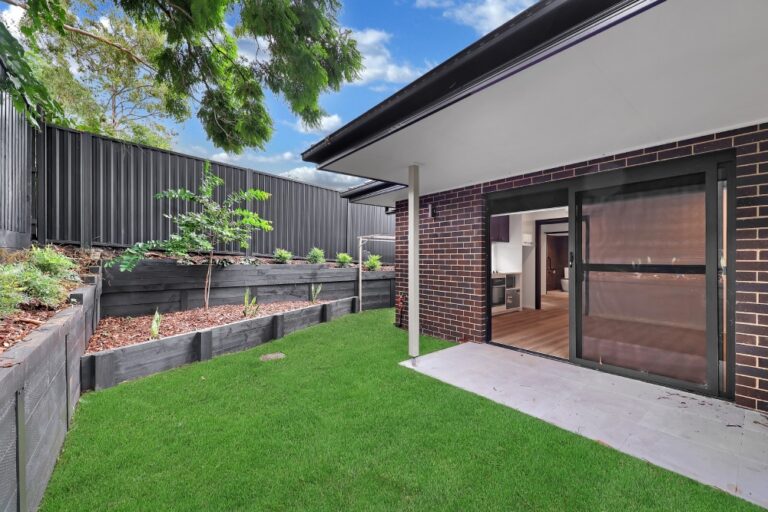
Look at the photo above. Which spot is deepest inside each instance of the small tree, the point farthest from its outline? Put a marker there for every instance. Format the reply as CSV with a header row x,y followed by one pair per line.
x,y
207,224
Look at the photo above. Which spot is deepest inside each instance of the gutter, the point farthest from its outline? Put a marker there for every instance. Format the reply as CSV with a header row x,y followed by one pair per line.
x,y
370,189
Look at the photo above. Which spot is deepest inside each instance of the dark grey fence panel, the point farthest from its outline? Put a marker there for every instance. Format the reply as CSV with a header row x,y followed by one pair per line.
x,y
121,209
304,216
63,192
16,163
371,220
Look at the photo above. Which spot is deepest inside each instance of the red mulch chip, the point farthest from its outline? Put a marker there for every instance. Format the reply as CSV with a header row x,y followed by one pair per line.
x,y
13,329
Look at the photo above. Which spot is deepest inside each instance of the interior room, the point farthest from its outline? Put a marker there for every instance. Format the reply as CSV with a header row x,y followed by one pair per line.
x,y
530,281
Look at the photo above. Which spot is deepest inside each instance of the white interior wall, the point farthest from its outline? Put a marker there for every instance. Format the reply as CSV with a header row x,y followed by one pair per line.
x,y
529,252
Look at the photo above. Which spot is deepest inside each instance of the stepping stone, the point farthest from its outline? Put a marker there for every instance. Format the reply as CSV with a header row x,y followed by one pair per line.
x,y
273,356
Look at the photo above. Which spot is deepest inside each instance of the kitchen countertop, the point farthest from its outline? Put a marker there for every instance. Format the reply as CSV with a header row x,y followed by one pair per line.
x,y
502,275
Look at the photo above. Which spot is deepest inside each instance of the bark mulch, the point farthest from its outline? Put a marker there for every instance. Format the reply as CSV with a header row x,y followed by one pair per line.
x,y
114,332
16,326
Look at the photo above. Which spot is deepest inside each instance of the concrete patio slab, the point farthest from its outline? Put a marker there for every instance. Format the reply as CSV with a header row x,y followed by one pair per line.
x,y
705,439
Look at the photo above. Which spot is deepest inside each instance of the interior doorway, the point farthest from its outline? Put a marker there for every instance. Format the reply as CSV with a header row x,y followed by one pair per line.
x,y
532,262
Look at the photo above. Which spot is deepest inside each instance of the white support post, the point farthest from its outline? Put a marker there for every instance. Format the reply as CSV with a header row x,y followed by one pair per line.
x,y
413,261
360,274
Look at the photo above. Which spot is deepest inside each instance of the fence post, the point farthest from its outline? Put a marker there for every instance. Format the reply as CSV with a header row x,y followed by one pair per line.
x,y
278,327
204,345
325,313
41,184
104,370
86,190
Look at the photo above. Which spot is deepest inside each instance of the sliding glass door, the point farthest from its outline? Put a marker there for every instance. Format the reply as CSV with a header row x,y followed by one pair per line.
x,y
646,267
649,293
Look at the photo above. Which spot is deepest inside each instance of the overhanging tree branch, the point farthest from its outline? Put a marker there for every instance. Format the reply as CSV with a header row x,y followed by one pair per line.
x,y
75,30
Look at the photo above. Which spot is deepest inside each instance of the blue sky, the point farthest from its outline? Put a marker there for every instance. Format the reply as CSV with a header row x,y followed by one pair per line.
x,y
399,40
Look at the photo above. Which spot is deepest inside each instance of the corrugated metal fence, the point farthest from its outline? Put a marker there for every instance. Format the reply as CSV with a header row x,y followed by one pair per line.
x,y
16,162
96,191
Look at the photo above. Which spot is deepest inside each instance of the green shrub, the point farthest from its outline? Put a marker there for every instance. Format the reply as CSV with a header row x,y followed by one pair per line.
x,y
282,256
53,263
250,304
11,292
373,262
343,259
37,286
316,255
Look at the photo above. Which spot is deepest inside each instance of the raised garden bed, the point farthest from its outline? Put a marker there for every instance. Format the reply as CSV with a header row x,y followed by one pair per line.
x,y
121,331
39,388
167,286
34,285
107,368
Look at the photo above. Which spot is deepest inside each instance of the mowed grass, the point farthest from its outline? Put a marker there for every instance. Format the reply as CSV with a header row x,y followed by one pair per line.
x,y
338,425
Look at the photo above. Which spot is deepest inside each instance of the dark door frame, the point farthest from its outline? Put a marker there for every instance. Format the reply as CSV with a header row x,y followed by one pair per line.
x,y
537,255
719,164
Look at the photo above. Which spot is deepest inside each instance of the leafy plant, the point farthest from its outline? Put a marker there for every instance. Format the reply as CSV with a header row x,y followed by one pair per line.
x,y
343,259
314,292
11,292
316,255
206,224
36,285
50,261
373,262
154,329
250,304
282,256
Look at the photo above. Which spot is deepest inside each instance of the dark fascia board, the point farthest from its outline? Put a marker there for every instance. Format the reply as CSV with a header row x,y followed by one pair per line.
x,y
534,27
369,189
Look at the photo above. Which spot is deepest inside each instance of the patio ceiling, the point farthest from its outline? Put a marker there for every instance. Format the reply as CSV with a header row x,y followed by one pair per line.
x,y
671,70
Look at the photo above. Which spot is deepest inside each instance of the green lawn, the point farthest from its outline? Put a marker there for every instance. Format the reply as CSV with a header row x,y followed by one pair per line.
x,y
338,425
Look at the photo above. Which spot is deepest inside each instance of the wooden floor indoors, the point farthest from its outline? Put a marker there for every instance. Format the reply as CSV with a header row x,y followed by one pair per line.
x,y
544,330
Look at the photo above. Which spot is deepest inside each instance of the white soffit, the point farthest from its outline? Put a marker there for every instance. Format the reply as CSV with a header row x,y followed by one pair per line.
x,y
680,69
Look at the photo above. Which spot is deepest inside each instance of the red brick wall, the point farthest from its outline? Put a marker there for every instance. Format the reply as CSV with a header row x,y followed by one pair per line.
x,y
453,253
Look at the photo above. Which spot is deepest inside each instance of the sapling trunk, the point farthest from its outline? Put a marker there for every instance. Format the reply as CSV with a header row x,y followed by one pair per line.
x,y
207,287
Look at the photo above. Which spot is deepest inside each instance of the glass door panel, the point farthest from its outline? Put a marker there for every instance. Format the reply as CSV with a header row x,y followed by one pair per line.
x,y
643,280
649,322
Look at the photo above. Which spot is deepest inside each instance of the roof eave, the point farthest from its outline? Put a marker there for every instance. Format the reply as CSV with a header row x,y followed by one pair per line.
x,y
534,27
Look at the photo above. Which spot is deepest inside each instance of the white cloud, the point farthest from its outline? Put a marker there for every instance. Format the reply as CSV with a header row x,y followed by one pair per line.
x,y
105,23
379,65
11,18
253,49
327,125
251,157
314,176
481,15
